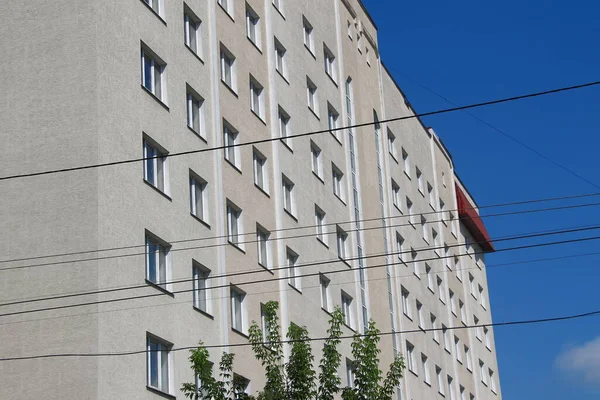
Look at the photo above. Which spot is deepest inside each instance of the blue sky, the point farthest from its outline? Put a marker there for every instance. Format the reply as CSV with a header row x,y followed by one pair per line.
x,y
471,51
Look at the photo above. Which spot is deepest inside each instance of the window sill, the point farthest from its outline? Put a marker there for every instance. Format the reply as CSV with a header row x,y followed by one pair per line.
x,y
334,134
417,275
431,290
262,190
166,196
332,79
259,117
160,288
226,12
230,88
427,383
393,157
314,113
236,246
326,311
291,215
344,261
295,288
421,192
240,333
285,143
407,175
399,209
267,269
201,221
282,76
432,207
310,51
441,394
454,234
318,177
322,242
154,12
207,315
412,224
279,11
160,392
437,341
340,199
407,316
413,372
444,222
195,54
162,103
349,327
254,44
233,165
197,134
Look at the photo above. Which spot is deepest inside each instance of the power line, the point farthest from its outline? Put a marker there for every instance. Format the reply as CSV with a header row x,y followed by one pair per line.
x,y
172,293
514,203
500,131
447,110
322,338
293,237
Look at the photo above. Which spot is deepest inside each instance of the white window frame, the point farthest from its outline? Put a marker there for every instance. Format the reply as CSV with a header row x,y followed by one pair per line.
x,y
307,34
192,26
246,387
280,59
483,373
440,287
457,349
347,310
406,162
278,4
405,295
425,367
463,312
198,197
342,243
231,138
410,358
200,275
228,69
263,246
391,139
482,301
468,358
332,122
312,96
239,319
492,381
158,262
195,112
486,337
451,395
253,26
430,283
396,196
431,195
424,229
321,225
415,262
227,6
409,210
234,225
156,165
330,63
338,182
159,352
350,373
293,272
440,380
156,6
420,321
325,292
400,247
257,98
452,298
152,65
284,126
434,327
316,160
289,195
261,175
446,334
478,329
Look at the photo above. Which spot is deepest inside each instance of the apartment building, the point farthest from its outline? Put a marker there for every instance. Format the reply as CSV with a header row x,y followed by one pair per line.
x,y
181,247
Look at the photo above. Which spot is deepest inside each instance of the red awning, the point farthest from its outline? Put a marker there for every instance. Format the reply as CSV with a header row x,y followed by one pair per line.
x,y
472,221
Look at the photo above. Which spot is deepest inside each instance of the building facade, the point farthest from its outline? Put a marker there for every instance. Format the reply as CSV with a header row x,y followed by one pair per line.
x,y
162,253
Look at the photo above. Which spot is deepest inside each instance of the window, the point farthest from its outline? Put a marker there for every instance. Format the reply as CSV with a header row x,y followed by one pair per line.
x,y
320,223
192,31
234,224
200,275
477,327
468,359
280,61
257,101
435,328
416,264
317,163
446,338
153,74
227,5
425,365
483,373
329,60
436,241
440,287
262,242
308,34
406,162
396,196
342,236
420,314
154,5
350,374
457,349
444,179
293,273
284,120
158,362
289,201
238,309
350,30
260,170
443,211
157,262
391,143
347,309
420,180
440,380
468,246
463,312
325,300
332,122
228,72
252,26
409,210
471,396
492,381
486,335
429,278
472,285
405,304
410,358
338,183
452,302
311,93
431,196
452,223
195,111
450,388
462,390
230,140
155,165
447,256
240,387
424,229
481,297
198,197
400,246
